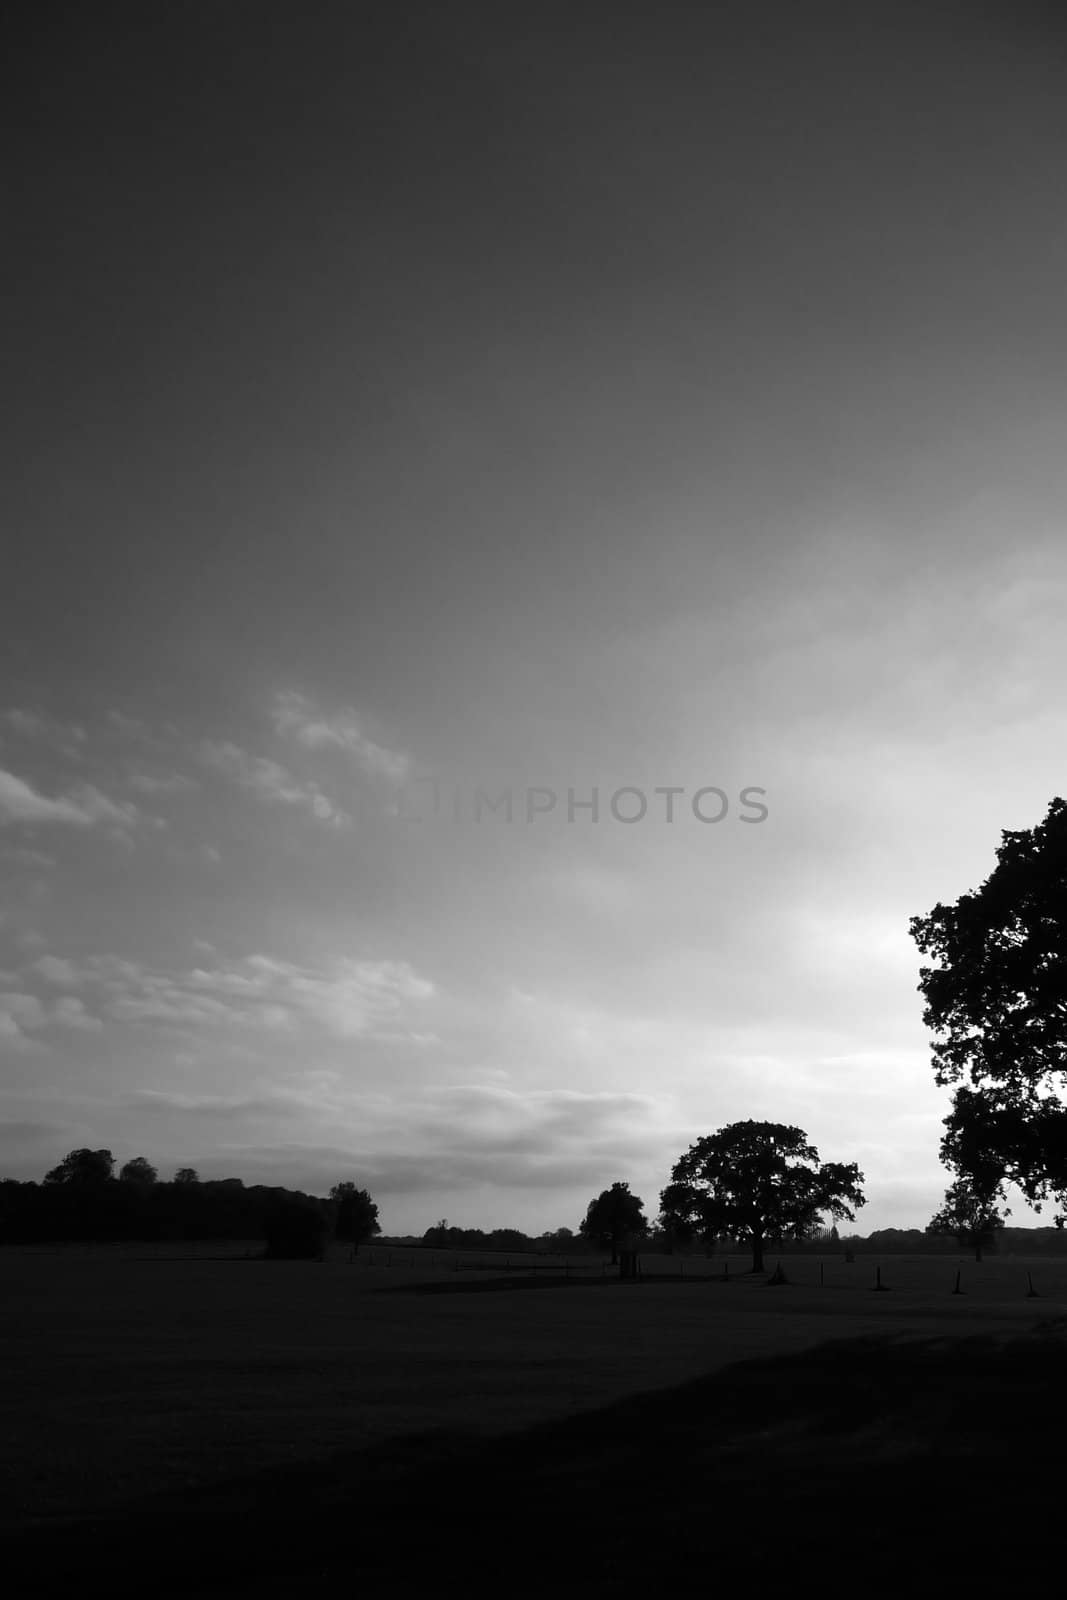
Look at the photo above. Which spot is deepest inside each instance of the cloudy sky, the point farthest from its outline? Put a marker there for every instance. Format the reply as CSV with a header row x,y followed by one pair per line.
x,y
408,401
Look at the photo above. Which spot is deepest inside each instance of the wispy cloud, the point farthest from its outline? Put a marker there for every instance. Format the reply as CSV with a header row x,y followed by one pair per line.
x,y
24,1010
23,1014
81,807
58,970
69,738
444,1140
22,856
350,999
299,718
166,783
270,781
70,1012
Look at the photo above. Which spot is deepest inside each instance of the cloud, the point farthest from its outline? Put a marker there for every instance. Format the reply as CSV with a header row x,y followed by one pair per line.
x,y
66,737
22,1013
70,1012
207,1105
445,1140
351,999
168,783
9,1028
23,857
440,1139
82,807
24,1010
298,718
271,781
129,727
58,970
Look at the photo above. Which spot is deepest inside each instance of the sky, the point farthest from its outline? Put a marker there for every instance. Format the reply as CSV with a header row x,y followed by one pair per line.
x,y
408,402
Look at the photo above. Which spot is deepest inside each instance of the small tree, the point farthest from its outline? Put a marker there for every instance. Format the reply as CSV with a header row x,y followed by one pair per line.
x,y
140,1172
187,1175
970,1214
758,1181
356,1215
611,1218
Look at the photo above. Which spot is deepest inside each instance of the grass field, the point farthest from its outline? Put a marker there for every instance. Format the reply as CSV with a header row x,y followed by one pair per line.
x,y
140,1381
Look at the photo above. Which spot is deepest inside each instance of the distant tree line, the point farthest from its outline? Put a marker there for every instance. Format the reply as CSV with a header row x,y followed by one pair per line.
x,y
81,1200
443,1236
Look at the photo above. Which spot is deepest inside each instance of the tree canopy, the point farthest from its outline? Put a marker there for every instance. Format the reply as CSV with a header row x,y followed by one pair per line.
x,y
138,1170
996,1001
970,1214
612,1217
356,1215
83,1167
757,1181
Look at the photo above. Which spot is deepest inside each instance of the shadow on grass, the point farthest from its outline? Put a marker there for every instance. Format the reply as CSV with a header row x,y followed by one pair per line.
x,y
872,1461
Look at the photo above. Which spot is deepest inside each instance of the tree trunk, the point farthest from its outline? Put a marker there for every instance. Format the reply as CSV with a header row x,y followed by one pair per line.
x,y
757,1255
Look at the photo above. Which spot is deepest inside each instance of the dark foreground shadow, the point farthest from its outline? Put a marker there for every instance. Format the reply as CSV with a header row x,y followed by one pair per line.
x,y
862,1464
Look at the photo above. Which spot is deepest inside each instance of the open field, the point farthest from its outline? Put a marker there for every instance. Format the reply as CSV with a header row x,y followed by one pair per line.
x,y
134,1373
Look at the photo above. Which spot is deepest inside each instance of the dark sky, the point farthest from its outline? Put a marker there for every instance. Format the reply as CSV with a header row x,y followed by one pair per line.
x,y
520,395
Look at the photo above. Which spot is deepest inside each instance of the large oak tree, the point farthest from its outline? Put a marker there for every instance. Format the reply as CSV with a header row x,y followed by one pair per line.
x,y
996,1000
756,1182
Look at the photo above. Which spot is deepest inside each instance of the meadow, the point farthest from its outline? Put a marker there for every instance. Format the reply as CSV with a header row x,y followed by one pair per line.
x,y
144,1384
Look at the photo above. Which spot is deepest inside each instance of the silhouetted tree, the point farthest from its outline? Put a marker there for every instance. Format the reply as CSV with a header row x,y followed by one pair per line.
x,y
356,1215
138,1171
612,1217
187,1175
997,1000
758,1181
970,1214
683,1223
83,1167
